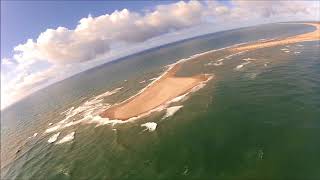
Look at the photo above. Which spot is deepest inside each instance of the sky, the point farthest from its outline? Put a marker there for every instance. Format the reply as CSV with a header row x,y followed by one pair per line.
x,y
43,42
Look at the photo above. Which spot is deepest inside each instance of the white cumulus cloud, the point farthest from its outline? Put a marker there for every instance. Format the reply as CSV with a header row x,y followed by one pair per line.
x,y
93,36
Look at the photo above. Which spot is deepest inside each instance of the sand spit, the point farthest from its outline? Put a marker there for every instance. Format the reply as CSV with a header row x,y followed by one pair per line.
x,y
166,88
311,36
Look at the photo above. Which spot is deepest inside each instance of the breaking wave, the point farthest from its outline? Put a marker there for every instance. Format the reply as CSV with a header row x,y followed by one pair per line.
x,y
88,111
171,111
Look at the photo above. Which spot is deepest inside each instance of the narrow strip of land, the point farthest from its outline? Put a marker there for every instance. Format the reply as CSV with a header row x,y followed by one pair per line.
x,y
163,90
170,86
311,36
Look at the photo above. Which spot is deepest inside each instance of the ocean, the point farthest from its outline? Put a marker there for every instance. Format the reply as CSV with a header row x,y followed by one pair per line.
x,y
258,118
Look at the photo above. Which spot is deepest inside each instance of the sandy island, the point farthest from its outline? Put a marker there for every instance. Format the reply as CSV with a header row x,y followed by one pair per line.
x,y
161,91
170,86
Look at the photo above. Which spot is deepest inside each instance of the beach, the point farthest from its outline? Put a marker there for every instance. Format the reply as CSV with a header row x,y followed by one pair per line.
x,y
161,91
169,86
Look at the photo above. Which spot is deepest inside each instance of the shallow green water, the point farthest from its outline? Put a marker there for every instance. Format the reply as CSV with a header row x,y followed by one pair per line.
x,y
257,122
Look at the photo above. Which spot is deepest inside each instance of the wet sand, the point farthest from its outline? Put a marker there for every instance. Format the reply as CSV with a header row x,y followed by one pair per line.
x,y
170,86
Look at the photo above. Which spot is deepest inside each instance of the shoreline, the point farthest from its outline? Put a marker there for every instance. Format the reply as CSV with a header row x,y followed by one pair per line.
x,y
168,86
310,36
161,91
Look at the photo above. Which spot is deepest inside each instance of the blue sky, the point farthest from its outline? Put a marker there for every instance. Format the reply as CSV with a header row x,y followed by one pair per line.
x,y
43,42
21,20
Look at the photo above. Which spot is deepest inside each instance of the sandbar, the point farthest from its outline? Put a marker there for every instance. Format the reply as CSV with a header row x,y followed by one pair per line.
x,y
163,90
311,36
169,86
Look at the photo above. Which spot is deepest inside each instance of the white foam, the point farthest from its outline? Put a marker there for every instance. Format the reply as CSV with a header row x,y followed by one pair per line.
x,y
249,59
85,111
179,98
171,111
296,52
287,51
67,138
218,64
108,93
53,138
150,126
50,124
284,49
299,45
67,111
52,129
235,54
152,79
252,75
215,64
33,136
240,66
142,81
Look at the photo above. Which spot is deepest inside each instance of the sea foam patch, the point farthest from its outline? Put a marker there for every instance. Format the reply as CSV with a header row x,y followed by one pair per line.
x,y
240,66
87,111
218,63
149,126
249,59
108,93
33,136
67,138
171,111
53,138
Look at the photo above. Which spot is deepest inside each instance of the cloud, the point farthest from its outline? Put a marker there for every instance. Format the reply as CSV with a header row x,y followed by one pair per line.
x,y
93,36
96,40
243,10
23,84
7,62
268,9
